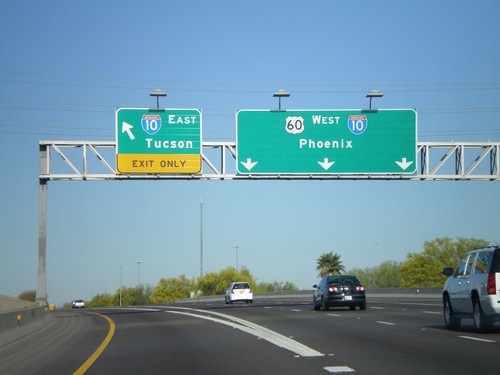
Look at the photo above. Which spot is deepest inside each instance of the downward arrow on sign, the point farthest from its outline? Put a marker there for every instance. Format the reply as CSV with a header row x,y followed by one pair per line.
x,y
249,164
404,164
326,164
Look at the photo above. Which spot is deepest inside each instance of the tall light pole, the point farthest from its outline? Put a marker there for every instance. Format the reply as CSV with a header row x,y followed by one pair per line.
x,y
139,273
120,286
201,238
158,93
281,94
237,247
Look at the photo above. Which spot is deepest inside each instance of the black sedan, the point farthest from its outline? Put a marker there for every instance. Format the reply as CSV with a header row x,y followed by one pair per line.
x,y
339,290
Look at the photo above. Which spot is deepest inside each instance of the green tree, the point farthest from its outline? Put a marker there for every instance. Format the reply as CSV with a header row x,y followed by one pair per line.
x,y
28,295
172,289
388,274
329,263
385,275
136,296
102,300
424,269
276,286
215,283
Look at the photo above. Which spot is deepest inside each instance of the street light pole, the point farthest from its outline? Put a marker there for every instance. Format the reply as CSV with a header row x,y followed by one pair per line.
x,y
237,247
139,273
201,238
120,286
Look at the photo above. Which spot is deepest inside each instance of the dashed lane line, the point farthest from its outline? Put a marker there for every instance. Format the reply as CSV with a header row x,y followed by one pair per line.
x,y
476,339
338,369
386,323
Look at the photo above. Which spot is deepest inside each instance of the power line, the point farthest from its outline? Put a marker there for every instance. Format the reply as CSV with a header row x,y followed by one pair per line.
x,y
267,84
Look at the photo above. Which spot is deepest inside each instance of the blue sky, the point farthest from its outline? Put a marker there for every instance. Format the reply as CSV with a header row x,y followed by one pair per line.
x,y
65,68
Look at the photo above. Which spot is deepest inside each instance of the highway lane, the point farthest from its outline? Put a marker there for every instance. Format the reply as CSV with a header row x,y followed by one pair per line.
x,y
272,335
59,348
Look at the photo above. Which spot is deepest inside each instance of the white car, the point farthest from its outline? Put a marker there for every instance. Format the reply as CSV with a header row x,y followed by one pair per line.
x,y
78,304
472,290
239,291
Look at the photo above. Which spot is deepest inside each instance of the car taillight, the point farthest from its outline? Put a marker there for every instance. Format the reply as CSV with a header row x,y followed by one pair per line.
x,y
491,284
333,289
360,288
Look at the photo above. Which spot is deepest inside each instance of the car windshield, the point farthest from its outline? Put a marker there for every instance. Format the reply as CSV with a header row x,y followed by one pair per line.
x,y
341,279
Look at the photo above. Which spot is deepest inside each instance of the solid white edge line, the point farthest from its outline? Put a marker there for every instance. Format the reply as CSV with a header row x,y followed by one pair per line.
x,y
253,329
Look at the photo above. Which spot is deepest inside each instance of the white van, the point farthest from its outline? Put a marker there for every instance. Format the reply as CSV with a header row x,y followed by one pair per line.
x,y
472,290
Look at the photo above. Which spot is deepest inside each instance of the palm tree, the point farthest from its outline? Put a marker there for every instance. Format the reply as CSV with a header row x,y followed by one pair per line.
x,y
329,263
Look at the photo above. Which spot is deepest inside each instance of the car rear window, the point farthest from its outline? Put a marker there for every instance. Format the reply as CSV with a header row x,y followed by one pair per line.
x,y
241,286
343,280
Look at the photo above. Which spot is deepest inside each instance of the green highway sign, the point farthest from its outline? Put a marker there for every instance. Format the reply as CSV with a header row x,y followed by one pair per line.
x,y
382,141
158,140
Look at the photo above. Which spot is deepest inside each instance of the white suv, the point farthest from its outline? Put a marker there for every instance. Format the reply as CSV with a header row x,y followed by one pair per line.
x,y
473,289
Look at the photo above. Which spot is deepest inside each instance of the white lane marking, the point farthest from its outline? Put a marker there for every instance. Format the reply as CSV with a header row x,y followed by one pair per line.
x,y
386,323
475,339
253,329
267,307
295,310
433,312
338,369
377,308
333,314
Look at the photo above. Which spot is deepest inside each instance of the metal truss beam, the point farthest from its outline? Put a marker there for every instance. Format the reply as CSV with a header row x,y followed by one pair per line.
x,y
95,160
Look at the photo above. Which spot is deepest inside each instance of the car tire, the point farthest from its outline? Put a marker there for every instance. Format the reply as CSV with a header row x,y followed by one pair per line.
x,y
450,320
352,307
315,305
481,322
324,305
362,307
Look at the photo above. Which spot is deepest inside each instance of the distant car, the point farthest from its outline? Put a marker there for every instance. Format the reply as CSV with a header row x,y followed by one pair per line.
x,y
472,290
339,290
239,291
78,304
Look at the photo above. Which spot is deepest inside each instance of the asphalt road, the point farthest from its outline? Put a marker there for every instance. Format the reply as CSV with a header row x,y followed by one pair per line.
x,y
270,336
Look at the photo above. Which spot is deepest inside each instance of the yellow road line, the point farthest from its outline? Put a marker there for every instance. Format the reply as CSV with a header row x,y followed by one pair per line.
x,y
83,368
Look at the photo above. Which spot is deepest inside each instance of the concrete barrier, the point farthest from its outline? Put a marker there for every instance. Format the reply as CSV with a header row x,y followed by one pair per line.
x,y
16,324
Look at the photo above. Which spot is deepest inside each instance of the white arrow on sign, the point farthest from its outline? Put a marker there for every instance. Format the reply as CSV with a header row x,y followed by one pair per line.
x,y
128,128
249,164
404,164
326,164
